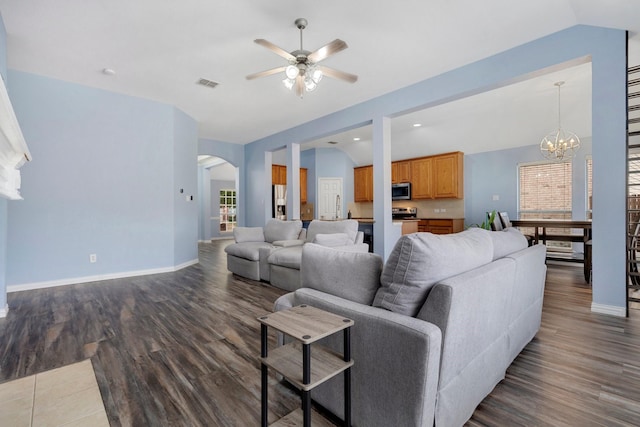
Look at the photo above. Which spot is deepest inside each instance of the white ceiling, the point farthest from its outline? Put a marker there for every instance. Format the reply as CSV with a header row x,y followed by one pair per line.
x,y
160,49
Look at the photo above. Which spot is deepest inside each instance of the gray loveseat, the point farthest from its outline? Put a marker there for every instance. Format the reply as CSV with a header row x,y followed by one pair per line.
x,y
435,328
243,256
284,262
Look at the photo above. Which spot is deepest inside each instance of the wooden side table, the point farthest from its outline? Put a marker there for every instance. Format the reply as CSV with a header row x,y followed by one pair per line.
x,y
295,361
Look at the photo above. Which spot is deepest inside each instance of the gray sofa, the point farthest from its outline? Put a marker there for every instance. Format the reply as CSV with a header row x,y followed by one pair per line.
x,y
243,256
283,263
435,328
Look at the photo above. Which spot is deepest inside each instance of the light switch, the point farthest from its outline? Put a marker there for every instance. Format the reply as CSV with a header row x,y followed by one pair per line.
x,y
495,197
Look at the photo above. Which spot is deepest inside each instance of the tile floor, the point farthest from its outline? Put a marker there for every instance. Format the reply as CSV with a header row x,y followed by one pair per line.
x,y
67,396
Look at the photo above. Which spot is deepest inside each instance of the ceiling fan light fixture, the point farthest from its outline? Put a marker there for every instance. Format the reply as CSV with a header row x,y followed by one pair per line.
x,y
310,85
292,72
288,83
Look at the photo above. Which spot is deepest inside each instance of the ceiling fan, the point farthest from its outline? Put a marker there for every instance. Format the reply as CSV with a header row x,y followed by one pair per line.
x,y
303,73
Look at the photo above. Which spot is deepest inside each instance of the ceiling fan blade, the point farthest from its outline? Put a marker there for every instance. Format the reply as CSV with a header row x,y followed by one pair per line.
x,y
278,50
299,86
265,73
327,50
337,74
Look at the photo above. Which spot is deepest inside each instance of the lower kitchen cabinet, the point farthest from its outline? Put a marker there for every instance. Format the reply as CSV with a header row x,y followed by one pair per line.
x,y
441,225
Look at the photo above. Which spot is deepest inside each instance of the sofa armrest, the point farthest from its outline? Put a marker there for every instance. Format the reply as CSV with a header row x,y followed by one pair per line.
x,y
396,366
359,237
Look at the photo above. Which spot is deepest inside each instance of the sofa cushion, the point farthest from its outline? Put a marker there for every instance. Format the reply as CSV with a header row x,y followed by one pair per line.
x,y
247,250
507,241
420,260
248,234
286,257
332,240
276,229
350,275
348,226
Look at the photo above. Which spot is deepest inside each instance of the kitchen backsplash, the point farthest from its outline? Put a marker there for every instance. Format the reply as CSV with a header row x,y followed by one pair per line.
x,y
443,208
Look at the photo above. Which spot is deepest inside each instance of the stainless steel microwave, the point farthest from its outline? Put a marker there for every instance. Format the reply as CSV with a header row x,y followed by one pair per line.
x,y
401,191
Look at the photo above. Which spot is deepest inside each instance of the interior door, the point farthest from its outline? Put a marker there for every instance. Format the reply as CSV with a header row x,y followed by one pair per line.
x,y
330,200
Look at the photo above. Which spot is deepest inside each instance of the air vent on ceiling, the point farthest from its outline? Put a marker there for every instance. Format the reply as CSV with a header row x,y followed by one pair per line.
x,y
208,83
332,142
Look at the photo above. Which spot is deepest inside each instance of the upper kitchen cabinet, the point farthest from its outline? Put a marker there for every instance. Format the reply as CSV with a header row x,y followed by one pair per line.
x,y
448,176
278,175
363,184
422,178
438,177
401,171
303,185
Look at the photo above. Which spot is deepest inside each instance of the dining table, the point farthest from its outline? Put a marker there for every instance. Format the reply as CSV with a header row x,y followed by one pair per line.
x,y
541,233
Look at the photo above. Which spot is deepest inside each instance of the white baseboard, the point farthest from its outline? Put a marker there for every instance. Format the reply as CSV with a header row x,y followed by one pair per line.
x,y
612,310
97,278
222,238
4,311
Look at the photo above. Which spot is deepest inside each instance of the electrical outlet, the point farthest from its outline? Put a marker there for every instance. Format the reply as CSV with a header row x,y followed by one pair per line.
x,y
436,210
496,197
443,210
93,258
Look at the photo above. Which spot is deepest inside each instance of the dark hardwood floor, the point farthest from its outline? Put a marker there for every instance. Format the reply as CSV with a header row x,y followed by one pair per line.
x,y
182,349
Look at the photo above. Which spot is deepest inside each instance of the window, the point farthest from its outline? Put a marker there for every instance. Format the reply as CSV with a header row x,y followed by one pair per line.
x,y
227,210
545,193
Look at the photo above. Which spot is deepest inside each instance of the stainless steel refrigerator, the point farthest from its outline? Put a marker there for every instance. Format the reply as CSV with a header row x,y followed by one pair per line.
x,y
279,202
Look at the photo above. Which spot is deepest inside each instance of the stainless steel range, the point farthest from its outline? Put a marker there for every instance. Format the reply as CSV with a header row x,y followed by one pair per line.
x,y
404,213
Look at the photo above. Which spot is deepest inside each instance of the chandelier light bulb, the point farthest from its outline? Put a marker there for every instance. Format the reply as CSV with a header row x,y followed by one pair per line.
x,y
292,72
288,83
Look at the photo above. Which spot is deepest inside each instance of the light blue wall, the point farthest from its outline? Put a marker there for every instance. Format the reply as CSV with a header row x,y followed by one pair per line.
x,y
104,180
3,49
185,175
607,50
496,173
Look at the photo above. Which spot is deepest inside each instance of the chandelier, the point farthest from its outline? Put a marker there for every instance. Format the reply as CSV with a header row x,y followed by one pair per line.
x,y
560,144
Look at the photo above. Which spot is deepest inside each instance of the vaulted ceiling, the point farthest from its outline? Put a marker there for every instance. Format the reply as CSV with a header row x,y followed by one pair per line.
x,y
159,51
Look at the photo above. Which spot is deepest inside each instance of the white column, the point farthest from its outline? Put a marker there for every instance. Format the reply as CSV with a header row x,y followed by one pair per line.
x,y
384,234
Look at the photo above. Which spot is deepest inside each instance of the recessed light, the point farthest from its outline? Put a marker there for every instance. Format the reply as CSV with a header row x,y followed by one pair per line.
x,y
356,139
108,71
417,125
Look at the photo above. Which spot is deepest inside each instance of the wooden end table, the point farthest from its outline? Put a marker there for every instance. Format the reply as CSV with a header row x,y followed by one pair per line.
x,y
295,361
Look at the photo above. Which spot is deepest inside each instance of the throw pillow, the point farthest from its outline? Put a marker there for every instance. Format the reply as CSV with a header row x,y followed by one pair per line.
x,y
349,226
332,240
248,234
420,260
276,229
354,276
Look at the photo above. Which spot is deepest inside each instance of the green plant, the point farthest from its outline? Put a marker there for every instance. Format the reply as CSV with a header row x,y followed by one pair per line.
x,y
488,221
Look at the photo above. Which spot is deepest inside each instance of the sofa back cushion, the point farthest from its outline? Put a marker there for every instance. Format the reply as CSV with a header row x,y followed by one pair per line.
x,y
248,234
354,276
276,229
332,240
420,260
507,241
348,226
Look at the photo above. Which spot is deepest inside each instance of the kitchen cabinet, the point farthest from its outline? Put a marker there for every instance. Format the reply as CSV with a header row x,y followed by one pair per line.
x,y
363,184
401,171
422,178
279,177
448,180
303,185
441,225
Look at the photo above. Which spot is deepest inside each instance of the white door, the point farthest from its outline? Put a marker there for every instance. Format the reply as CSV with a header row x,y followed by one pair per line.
x,y
330,200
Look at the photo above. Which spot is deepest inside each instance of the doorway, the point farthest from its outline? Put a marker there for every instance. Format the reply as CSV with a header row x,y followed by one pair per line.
x,y
330,200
